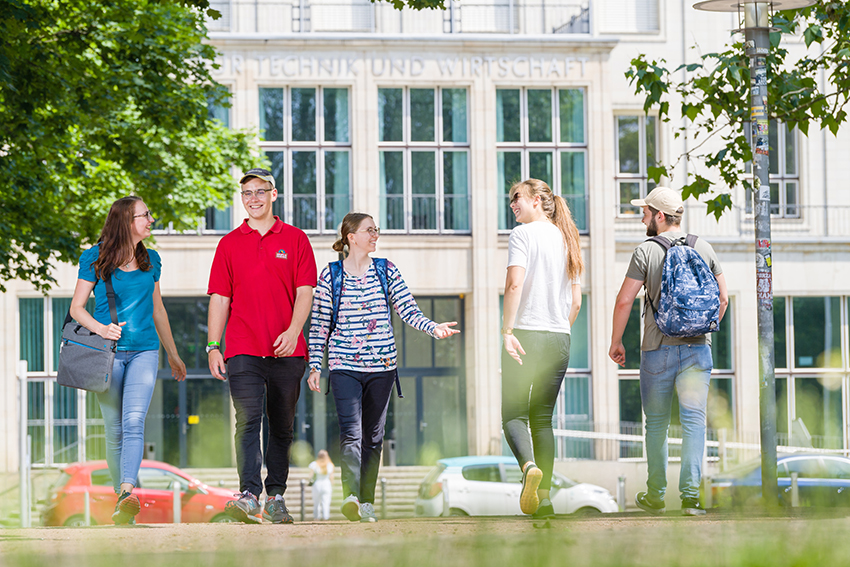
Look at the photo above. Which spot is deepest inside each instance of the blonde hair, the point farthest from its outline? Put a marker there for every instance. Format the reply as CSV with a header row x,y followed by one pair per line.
x,y
349,225
323,460
559,213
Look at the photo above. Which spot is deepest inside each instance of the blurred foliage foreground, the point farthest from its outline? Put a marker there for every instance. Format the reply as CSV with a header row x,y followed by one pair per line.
x,y
621,540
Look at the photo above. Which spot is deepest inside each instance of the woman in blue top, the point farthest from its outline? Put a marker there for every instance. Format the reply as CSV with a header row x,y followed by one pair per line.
x,y
362,355
142,323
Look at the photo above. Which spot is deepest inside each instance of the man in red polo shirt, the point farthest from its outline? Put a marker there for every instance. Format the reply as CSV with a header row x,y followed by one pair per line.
x,y
261,284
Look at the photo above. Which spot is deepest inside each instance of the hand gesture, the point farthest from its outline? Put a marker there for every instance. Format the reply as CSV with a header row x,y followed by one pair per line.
x,y
178,369
217,366
444,330
313,380
617,353
111,331
285,344
513,347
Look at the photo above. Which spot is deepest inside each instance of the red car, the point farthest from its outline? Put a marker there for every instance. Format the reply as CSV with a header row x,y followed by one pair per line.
x,y
66,507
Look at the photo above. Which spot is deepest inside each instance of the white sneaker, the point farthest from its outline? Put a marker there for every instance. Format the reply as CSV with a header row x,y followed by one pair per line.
x,y
367,512
351,508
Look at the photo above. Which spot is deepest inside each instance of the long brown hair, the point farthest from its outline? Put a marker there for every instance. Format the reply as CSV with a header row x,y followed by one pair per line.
x,y
323,460
350,224
115,239
559,213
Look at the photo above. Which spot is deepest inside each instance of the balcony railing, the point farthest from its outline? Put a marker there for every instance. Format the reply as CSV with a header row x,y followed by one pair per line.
x,y
362,16
802,222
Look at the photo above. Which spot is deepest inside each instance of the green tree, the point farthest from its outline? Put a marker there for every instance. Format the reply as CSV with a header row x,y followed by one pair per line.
x,y
715,96
98,99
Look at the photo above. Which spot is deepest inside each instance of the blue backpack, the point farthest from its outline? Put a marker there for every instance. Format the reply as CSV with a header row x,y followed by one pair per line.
x,y
689,305
336,297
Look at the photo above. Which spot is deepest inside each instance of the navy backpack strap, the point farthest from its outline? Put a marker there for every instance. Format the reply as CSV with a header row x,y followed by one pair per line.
x,y
336,295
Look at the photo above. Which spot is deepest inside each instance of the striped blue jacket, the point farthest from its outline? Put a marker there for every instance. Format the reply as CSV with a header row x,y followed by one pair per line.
x,y
362,339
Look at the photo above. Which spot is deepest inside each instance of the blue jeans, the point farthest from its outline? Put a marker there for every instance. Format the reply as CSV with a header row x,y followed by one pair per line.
x,y
687,368
124,407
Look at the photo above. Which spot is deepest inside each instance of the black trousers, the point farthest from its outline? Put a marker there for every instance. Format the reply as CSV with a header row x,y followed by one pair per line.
x,y
252,380
529,394
361,400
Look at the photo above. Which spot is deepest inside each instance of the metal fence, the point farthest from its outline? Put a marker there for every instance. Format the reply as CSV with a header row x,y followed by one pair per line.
x,y
625,441
363,16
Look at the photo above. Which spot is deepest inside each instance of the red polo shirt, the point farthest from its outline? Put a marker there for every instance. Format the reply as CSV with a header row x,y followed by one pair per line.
x,y
260,274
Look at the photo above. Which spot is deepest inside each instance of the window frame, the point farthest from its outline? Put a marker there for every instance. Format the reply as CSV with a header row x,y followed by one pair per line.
x,y
642,177
556,147
407,147
320,146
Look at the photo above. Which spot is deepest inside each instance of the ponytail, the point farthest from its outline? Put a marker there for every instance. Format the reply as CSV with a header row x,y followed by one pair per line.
x,y
559,213
563,219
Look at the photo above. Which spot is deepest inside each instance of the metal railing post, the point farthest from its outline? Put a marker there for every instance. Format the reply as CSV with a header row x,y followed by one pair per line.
x,y
23,445
795,491
621,493
383,498
708,497
304,497
721,447
177,504
446,505
87,508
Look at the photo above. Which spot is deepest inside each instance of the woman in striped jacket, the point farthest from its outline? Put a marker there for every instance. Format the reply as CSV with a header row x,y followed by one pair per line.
x,y
352,316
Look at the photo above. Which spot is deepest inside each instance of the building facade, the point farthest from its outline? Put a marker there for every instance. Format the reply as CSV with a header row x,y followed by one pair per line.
x,y
424,120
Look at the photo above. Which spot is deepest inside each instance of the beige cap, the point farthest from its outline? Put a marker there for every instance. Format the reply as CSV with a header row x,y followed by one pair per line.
x,y
663,199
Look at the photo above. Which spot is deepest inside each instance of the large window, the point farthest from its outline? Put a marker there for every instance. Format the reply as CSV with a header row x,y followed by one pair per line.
x,y
305,133
65,424
784,172
423,137
541,133
219,220
811,369
637,150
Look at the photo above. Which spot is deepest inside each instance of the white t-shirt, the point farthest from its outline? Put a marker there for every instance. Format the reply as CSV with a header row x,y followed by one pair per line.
x,y
547,295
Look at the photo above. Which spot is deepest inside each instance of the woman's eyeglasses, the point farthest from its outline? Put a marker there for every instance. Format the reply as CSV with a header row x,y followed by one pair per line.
x,y
373,231
144,214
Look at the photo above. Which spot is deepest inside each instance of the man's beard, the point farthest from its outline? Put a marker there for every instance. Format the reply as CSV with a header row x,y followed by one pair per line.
x,y
652,228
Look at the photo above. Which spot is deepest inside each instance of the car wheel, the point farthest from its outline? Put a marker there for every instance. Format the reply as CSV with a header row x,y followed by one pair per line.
x,y
78,521
222,519
587,512
457,512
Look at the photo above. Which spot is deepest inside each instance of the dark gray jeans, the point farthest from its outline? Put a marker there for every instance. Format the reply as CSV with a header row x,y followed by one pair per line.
x,y
529,393
361,400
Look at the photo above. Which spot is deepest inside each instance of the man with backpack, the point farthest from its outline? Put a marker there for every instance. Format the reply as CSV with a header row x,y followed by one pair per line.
x,y
683,305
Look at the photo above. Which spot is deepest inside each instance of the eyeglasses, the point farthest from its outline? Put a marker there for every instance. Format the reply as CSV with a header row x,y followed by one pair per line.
x,y
147,214
259,193
373,231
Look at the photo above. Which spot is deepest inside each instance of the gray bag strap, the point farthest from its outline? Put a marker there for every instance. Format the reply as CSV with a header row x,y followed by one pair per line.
x,y
110,298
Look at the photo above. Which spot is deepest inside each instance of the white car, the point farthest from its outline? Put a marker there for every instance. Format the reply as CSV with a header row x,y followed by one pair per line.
x,y
490,486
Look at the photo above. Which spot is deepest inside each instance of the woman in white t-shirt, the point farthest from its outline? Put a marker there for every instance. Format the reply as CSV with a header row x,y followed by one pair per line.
x,y
542,301
322,483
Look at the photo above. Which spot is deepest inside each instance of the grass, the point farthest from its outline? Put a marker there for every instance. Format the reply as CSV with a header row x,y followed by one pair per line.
x,y
639,541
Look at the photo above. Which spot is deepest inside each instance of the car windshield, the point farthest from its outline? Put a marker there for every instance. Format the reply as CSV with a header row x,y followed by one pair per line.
x,y
159,479
483,473
432,475
741,470
101,477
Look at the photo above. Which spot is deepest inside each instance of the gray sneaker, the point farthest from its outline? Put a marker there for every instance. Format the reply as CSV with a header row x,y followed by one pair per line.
x,y
245,509
692,507
351,508
367,512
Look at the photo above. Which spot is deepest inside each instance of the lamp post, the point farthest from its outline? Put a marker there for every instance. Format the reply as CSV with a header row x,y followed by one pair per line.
x,y
754,17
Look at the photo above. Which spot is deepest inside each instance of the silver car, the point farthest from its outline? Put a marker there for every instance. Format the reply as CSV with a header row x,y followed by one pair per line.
x,y
490,486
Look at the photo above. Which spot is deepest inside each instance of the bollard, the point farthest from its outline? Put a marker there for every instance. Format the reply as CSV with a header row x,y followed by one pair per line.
x,y
304,497
795,491
446,508
621,493
708,496
721,448
177,504
23,446
86,508
383,498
